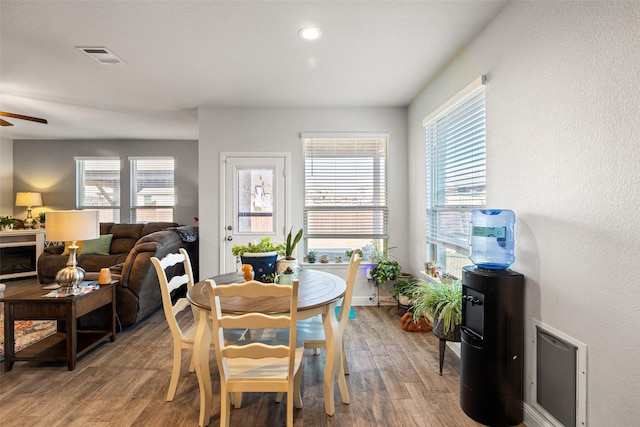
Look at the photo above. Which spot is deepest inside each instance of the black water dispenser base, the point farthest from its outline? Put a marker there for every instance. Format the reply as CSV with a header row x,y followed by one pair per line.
x,y
492,346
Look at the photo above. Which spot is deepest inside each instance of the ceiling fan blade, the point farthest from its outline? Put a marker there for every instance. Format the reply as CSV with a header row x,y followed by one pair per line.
x,y
5,123
20,116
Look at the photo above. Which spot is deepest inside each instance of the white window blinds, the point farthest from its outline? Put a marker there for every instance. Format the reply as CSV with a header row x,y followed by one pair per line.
x,y
456,167
98,186
346,187
152,189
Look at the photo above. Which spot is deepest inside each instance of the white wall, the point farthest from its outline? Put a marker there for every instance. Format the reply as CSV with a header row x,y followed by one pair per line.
x,y
563,123
274,129
6,177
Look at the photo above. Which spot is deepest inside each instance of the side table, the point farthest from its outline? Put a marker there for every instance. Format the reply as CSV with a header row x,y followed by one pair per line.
x,y
69,342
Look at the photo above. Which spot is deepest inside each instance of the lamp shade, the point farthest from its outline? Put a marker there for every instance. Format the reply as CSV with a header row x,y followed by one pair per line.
x,y
72,225
28,199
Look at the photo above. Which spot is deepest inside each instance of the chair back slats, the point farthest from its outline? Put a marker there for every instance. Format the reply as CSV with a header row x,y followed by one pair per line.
x,y
253,289
258,296
256,350
176,281
167,286
257,320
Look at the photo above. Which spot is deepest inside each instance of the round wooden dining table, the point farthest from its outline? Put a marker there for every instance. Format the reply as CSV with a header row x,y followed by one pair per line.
x,y
318,293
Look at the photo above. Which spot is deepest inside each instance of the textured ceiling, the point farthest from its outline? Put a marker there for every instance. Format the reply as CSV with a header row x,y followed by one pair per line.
x,y
180,55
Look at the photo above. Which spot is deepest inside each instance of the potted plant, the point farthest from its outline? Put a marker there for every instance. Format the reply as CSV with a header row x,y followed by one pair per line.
x,y
402,291
386,269
41,218
6,222
262,256
286,277
441,302
311,256
287,252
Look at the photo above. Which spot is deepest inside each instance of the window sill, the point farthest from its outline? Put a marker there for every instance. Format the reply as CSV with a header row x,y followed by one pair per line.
x,y
323,265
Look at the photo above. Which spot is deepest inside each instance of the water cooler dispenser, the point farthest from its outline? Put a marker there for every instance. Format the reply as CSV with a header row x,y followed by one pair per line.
x,y
492,328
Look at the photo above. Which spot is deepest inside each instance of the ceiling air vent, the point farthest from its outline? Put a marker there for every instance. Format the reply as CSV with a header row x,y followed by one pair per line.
x,y
101,55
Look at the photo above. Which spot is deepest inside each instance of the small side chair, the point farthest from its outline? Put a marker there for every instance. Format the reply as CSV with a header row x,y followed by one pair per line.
x,y
257,366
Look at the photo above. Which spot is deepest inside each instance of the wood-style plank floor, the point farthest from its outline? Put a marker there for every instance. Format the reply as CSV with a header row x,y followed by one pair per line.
x,y
394,381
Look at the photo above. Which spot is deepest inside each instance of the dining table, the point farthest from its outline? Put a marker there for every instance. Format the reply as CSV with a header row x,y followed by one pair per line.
x,y
318,293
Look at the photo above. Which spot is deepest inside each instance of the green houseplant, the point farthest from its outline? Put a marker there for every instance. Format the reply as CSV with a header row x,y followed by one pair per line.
x,y
291,243
402,291
6,222
262,256
287,251
311,256
264,245
443,303
386,269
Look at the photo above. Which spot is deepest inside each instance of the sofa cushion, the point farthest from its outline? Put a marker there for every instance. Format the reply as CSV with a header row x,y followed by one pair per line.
x,y
99,246
152,227
125,237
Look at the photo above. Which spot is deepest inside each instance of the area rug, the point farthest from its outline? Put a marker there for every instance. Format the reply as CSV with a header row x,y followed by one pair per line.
x,y
27,332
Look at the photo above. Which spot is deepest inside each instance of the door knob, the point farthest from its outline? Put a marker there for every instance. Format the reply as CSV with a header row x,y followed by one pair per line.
x,y
229,238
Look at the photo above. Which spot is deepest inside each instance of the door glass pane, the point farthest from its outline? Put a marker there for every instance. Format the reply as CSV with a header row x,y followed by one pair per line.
x,y
255,201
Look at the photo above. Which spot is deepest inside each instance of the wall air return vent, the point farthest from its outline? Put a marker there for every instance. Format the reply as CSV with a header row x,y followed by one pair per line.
x,y
101,55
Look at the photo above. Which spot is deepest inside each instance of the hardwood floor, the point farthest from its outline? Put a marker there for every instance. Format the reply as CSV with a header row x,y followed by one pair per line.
x,y
394,381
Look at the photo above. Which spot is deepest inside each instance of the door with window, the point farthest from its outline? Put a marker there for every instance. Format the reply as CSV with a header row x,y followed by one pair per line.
x,y
254,199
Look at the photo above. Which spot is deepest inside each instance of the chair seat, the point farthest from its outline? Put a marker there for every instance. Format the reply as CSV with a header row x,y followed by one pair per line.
x,y
311,331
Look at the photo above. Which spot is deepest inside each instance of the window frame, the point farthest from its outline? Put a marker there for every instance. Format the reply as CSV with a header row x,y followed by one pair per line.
x,y
133,193
80,166
450,197
378,208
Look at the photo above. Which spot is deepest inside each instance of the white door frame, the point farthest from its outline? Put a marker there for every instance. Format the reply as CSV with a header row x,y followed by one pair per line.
x,y
223,187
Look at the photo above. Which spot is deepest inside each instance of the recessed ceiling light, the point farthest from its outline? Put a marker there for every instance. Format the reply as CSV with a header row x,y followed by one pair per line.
x,y
310,33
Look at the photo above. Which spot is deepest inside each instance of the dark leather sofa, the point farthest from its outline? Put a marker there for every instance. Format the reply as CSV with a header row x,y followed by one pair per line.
x,y
132,246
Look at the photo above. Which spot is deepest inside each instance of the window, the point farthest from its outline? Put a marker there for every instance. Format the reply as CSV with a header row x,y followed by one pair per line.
x,y
456,175
152,189
98,186
345,186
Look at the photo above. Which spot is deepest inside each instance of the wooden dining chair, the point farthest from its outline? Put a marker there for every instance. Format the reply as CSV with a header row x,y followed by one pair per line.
x,y
311,331
257,366
182,337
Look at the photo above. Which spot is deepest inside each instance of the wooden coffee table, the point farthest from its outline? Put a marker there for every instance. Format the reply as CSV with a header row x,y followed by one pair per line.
x,y
69,342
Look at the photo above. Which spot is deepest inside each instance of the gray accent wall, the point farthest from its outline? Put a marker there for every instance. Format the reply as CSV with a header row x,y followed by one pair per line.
x,y
48,166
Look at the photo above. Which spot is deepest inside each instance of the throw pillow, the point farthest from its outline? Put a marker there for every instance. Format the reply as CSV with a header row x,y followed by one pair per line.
x,y
99,246
66,247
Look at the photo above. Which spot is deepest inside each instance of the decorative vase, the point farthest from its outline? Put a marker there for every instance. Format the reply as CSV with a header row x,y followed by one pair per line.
x,y
285,279
263,263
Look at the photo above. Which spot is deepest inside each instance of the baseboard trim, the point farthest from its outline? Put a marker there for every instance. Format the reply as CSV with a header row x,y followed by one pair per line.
x,y
533,417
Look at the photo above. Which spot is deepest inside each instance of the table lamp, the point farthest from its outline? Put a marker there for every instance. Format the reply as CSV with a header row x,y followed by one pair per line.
x,y
63,226
29,200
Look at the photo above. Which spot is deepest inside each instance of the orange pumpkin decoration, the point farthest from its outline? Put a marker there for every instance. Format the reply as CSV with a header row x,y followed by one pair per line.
x,y
422,325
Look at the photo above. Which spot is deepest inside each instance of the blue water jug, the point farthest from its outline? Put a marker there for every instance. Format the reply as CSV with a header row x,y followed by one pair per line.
x,y
492,238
